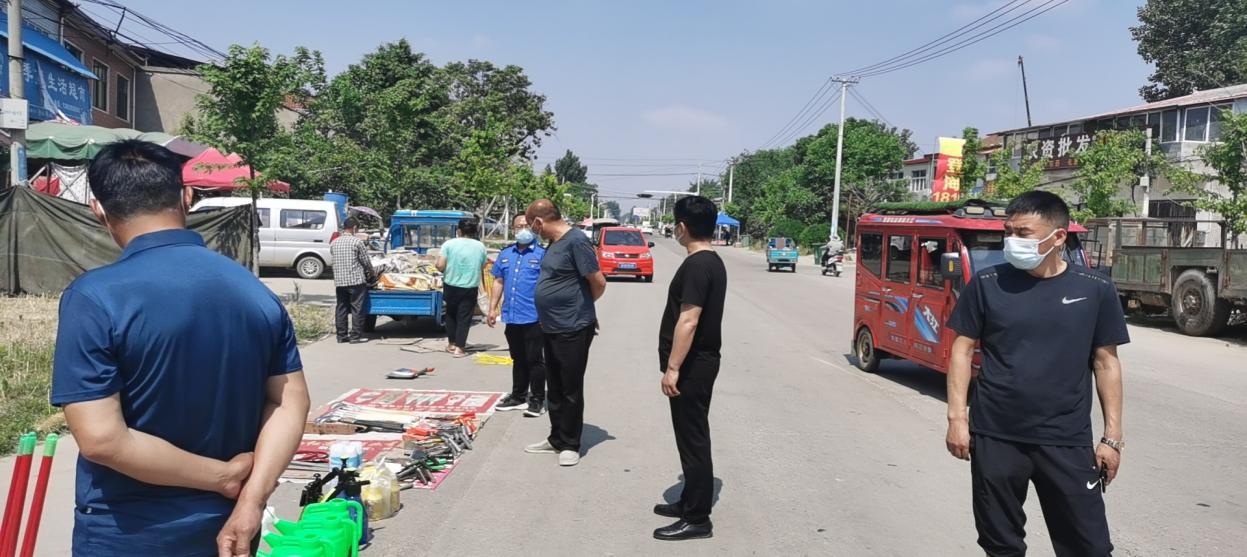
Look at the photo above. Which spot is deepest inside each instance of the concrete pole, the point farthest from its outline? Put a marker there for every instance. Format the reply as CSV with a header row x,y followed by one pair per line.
x,y
698,178
17,90
731,177
835,201
1145,181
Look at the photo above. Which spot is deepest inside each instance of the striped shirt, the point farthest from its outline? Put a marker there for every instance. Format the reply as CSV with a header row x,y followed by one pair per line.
x,y
351,266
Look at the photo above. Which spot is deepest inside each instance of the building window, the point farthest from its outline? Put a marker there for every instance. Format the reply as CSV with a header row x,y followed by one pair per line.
x,y
1196,124
99,89
1214,122
898,175
1167,209
918,180
123,98
75,51
1169,126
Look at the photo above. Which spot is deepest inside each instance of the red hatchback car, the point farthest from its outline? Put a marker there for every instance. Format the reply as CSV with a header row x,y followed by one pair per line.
x,y
624,252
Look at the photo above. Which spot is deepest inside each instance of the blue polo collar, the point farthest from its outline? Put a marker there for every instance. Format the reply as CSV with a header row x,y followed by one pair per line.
x,y
162,238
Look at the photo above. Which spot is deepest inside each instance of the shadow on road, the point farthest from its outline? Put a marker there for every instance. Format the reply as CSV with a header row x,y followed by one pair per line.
x,y
672,495
1234,335
908,374
593,436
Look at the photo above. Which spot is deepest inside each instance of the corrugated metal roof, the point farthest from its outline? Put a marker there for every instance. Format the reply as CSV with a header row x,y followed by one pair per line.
x,y
1209,96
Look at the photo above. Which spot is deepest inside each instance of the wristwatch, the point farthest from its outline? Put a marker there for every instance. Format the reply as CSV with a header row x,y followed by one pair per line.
x,y
1113,443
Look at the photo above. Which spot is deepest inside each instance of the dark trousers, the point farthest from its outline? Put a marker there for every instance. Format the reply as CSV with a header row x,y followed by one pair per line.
x,y
1067,482
567,356
460,302
352,302
528,368
690,417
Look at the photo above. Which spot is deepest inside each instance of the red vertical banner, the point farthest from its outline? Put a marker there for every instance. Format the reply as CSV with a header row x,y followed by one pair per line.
x,y
947,183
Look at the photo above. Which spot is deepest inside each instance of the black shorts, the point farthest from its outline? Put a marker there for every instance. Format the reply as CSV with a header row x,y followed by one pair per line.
x,y
1067,482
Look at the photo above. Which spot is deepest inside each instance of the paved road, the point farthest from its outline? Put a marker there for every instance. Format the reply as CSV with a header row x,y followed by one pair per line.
x,y
813,456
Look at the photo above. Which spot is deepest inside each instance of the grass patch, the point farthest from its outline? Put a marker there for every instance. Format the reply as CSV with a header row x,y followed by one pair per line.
x,y
28,339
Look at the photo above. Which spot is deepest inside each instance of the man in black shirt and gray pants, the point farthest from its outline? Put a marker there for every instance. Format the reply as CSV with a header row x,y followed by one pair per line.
x,y
688,353
569,284
1046,327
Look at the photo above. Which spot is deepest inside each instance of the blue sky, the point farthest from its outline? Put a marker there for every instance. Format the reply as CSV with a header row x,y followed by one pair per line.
x,y
707,79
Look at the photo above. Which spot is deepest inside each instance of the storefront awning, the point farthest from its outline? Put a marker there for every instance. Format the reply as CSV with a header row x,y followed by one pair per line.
x,y
35,40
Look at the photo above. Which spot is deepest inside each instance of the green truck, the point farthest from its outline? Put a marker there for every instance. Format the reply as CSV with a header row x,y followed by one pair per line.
x,y
1183,267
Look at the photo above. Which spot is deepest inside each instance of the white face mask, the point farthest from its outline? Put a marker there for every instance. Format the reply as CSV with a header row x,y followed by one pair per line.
x,y
1023,253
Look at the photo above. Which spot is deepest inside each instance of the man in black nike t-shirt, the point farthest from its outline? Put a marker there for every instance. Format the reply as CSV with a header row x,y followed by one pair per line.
x,y
1046,327
688,353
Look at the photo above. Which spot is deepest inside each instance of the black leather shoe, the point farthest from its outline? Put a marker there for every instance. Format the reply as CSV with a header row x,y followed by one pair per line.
x,y
669,510
682,530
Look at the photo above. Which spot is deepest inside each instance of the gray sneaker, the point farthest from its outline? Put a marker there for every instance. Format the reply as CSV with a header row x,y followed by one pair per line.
x,y
543,447
569,458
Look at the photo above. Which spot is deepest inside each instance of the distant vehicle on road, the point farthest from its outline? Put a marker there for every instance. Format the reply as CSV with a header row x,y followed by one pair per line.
x,y
1179,267
912,262
647,230
625,252
780,253
294,233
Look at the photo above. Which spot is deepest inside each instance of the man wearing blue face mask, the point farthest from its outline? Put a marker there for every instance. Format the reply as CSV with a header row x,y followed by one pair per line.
x,y
1046,328
513,299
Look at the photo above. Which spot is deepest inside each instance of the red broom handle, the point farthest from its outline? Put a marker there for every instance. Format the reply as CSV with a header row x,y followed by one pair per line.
x,y
41,492
17,498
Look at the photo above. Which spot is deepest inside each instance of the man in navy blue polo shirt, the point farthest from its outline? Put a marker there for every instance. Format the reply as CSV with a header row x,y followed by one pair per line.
x,y
1047,328
513,299
179,375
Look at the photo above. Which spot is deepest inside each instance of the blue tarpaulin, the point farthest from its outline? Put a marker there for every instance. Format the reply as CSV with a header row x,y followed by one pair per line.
x,y
726,220
55,80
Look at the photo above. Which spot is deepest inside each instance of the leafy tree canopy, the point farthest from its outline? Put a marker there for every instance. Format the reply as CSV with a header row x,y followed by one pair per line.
x,y
1193,44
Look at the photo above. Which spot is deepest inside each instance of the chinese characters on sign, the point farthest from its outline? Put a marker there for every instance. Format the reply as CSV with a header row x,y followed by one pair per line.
x,y
1061,151
947,184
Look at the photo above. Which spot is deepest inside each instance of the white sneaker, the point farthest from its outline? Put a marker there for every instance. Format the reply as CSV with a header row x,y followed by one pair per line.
x,y
569,458
543,447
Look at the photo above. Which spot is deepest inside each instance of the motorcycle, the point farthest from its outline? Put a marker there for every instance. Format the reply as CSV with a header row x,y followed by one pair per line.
x,y
833,262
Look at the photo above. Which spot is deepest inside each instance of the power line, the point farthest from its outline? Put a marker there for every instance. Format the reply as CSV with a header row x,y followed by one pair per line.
x,y
645,174
822,90
797,131
969,26
869,107
1007,25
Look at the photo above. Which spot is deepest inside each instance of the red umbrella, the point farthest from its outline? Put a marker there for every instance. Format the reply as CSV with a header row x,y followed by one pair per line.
x,y
211,169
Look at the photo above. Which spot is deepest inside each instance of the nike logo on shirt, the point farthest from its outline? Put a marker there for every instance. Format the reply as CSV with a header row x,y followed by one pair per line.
x,y
1068,301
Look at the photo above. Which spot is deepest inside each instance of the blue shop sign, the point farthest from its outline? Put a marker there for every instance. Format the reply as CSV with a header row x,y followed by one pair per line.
x,y
56,82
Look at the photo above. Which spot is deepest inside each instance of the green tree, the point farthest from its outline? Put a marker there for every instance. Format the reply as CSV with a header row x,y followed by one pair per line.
x,y
1011,182
612,209
973,168
1228,158
1193,44
569,170
238,113
1115,160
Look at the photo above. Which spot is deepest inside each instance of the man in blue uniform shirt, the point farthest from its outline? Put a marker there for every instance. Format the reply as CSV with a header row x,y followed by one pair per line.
x,y
179,375
1047,327
513,299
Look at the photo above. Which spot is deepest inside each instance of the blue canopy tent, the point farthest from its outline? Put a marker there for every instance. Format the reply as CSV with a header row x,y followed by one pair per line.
x,y
725,221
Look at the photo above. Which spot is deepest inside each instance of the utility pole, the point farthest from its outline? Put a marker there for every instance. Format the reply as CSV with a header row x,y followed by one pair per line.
x,y
698,178
1145,181
1025,94
844,82
731,177
17,90
593,202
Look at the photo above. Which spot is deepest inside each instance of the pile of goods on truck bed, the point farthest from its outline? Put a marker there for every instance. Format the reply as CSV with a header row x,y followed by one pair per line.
x,y
407,270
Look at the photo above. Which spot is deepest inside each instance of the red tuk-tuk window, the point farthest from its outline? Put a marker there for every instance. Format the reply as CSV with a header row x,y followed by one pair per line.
x,y
930,250
870,252
900,259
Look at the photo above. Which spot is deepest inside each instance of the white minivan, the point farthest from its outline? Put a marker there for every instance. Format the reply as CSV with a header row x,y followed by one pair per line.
x,y
294,233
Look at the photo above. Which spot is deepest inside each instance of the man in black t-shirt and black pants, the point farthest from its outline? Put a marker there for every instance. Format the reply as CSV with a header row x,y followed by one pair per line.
x,y
688,352
1045,327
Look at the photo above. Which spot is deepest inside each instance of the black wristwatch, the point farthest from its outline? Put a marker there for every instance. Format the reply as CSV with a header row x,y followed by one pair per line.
x,y
1114,444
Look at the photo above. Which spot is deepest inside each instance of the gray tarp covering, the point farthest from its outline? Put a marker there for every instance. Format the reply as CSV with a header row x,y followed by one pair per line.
x,y
46,242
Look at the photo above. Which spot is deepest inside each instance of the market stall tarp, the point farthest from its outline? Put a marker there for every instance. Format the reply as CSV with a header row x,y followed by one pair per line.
x,y
725,220
212,169
54,140
46,242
